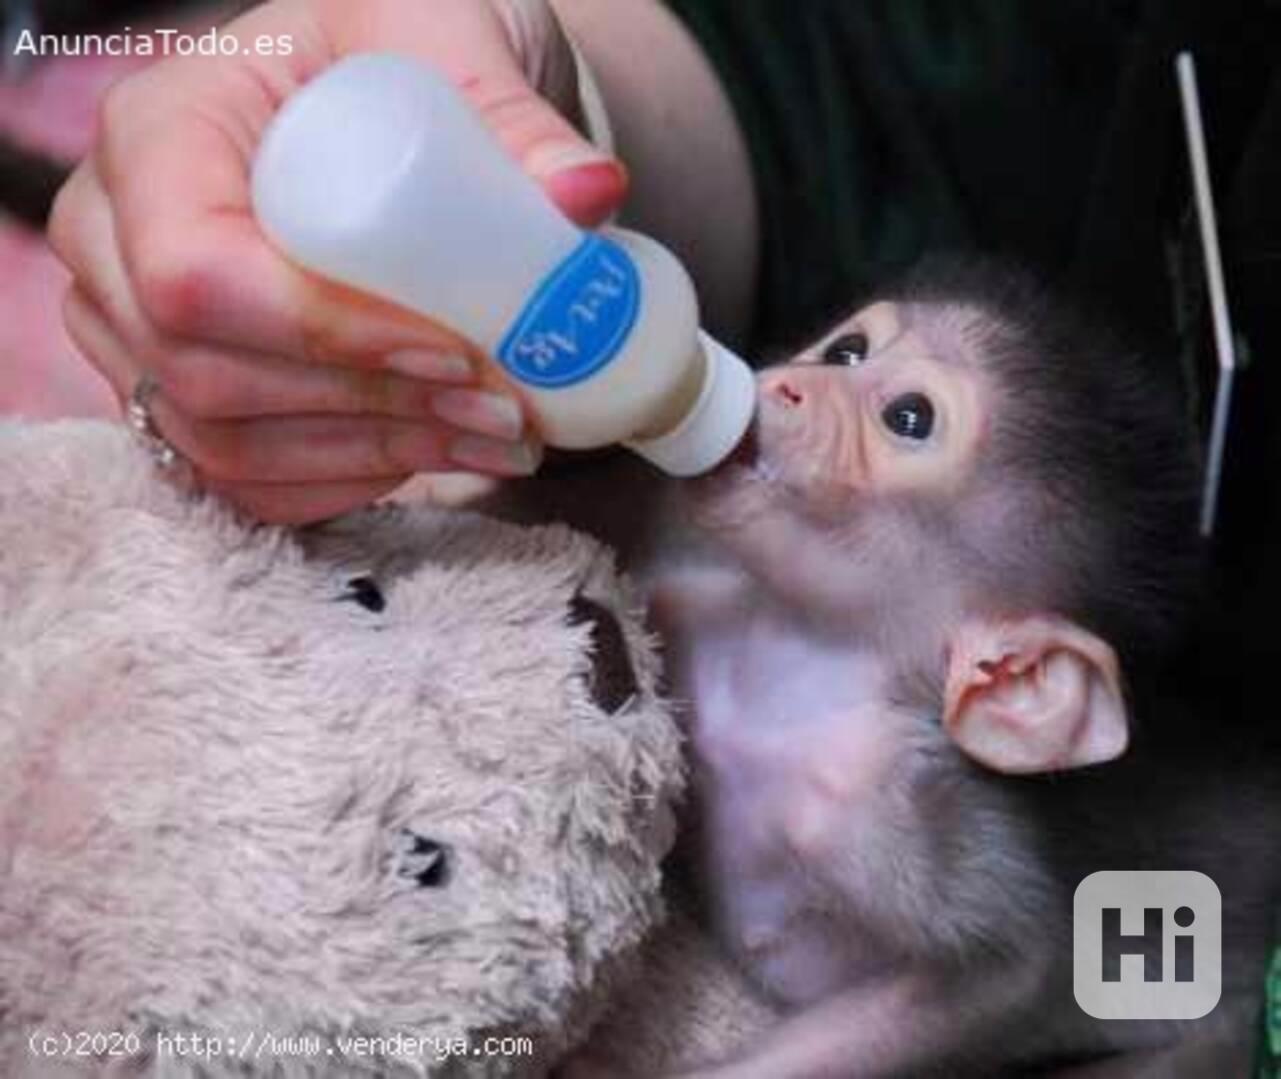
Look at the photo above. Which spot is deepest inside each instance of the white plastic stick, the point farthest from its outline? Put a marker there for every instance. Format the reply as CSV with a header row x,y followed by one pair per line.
x,y
1224,343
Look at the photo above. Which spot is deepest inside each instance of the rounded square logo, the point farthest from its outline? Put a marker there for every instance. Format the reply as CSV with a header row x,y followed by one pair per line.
x,y
1147,944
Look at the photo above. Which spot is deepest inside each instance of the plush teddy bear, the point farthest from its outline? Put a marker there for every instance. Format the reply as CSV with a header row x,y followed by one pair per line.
x,y
344,801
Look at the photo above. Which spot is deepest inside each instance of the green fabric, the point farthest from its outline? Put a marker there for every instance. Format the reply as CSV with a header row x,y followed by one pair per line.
x,y
880,129
1269,1065
1044,129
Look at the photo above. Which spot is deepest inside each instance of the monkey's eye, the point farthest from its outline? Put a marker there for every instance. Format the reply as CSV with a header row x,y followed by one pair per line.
x,y
848,350
909,415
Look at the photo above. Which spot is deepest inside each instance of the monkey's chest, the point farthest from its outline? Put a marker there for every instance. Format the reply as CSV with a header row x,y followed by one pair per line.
x,y
787,750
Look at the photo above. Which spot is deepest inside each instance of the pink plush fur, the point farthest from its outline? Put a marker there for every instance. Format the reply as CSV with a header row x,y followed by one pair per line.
x,y
214,762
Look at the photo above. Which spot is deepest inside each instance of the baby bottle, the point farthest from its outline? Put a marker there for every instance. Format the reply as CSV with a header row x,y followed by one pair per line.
x,y
378,174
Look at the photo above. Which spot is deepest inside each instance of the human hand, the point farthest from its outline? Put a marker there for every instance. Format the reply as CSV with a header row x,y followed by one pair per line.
x,y
295,398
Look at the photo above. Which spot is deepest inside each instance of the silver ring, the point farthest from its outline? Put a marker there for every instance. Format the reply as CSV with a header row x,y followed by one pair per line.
x,y
138,416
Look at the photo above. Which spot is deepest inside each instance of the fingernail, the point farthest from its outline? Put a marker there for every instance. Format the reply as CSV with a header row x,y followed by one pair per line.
x,y
492,455
493,414
548,158
432,366
589,193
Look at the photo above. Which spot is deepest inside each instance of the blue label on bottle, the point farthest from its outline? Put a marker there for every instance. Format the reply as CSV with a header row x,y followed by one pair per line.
x,y
577,319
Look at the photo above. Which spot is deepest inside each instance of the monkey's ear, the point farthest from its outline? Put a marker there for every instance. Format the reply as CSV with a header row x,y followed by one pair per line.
x,y
1034,695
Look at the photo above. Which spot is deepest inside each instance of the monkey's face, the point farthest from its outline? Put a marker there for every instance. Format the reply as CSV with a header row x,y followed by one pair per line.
x,y
860,438
888,403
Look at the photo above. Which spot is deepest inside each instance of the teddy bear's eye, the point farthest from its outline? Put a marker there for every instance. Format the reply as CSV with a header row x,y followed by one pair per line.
x,y
422,860
365,591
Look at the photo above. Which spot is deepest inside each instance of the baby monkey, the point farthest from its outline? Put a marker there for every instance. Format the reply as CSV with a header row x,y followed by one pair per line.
x,y
911,620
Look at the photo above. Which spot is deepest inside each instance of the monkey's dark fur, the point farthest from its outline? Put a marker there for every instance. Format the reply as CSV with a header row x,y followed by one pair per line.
x,y
1102,435
1104,430
967,879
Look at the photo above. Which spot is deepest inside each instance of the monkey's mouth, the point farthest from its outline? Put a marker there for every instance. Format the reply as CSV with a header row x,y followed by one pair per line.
x,y
754,459
747,454
738,484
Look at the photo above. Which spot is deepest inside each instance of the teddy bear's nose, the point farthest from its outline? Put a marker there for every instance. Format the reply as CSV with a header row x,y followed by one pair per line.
x,y
612,682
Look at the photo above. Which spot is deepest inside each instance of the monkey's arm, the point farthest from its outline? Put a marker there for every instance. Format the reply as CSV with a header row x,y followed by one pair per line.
x,y
1222,1043
908,1022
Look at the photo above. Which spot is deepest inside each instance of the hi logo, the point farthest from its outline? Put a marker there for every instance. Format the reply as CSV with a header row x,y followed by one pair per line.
x,y
1147,945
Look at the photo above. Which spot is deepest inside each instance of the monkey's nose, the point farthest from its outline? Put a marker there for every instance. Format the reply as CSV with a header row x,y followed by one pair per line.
x,y
783,389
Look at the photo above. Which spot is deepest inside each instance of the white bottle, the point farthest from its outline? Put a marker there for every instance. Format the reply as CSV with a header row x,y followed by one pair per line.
x,y
379,175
